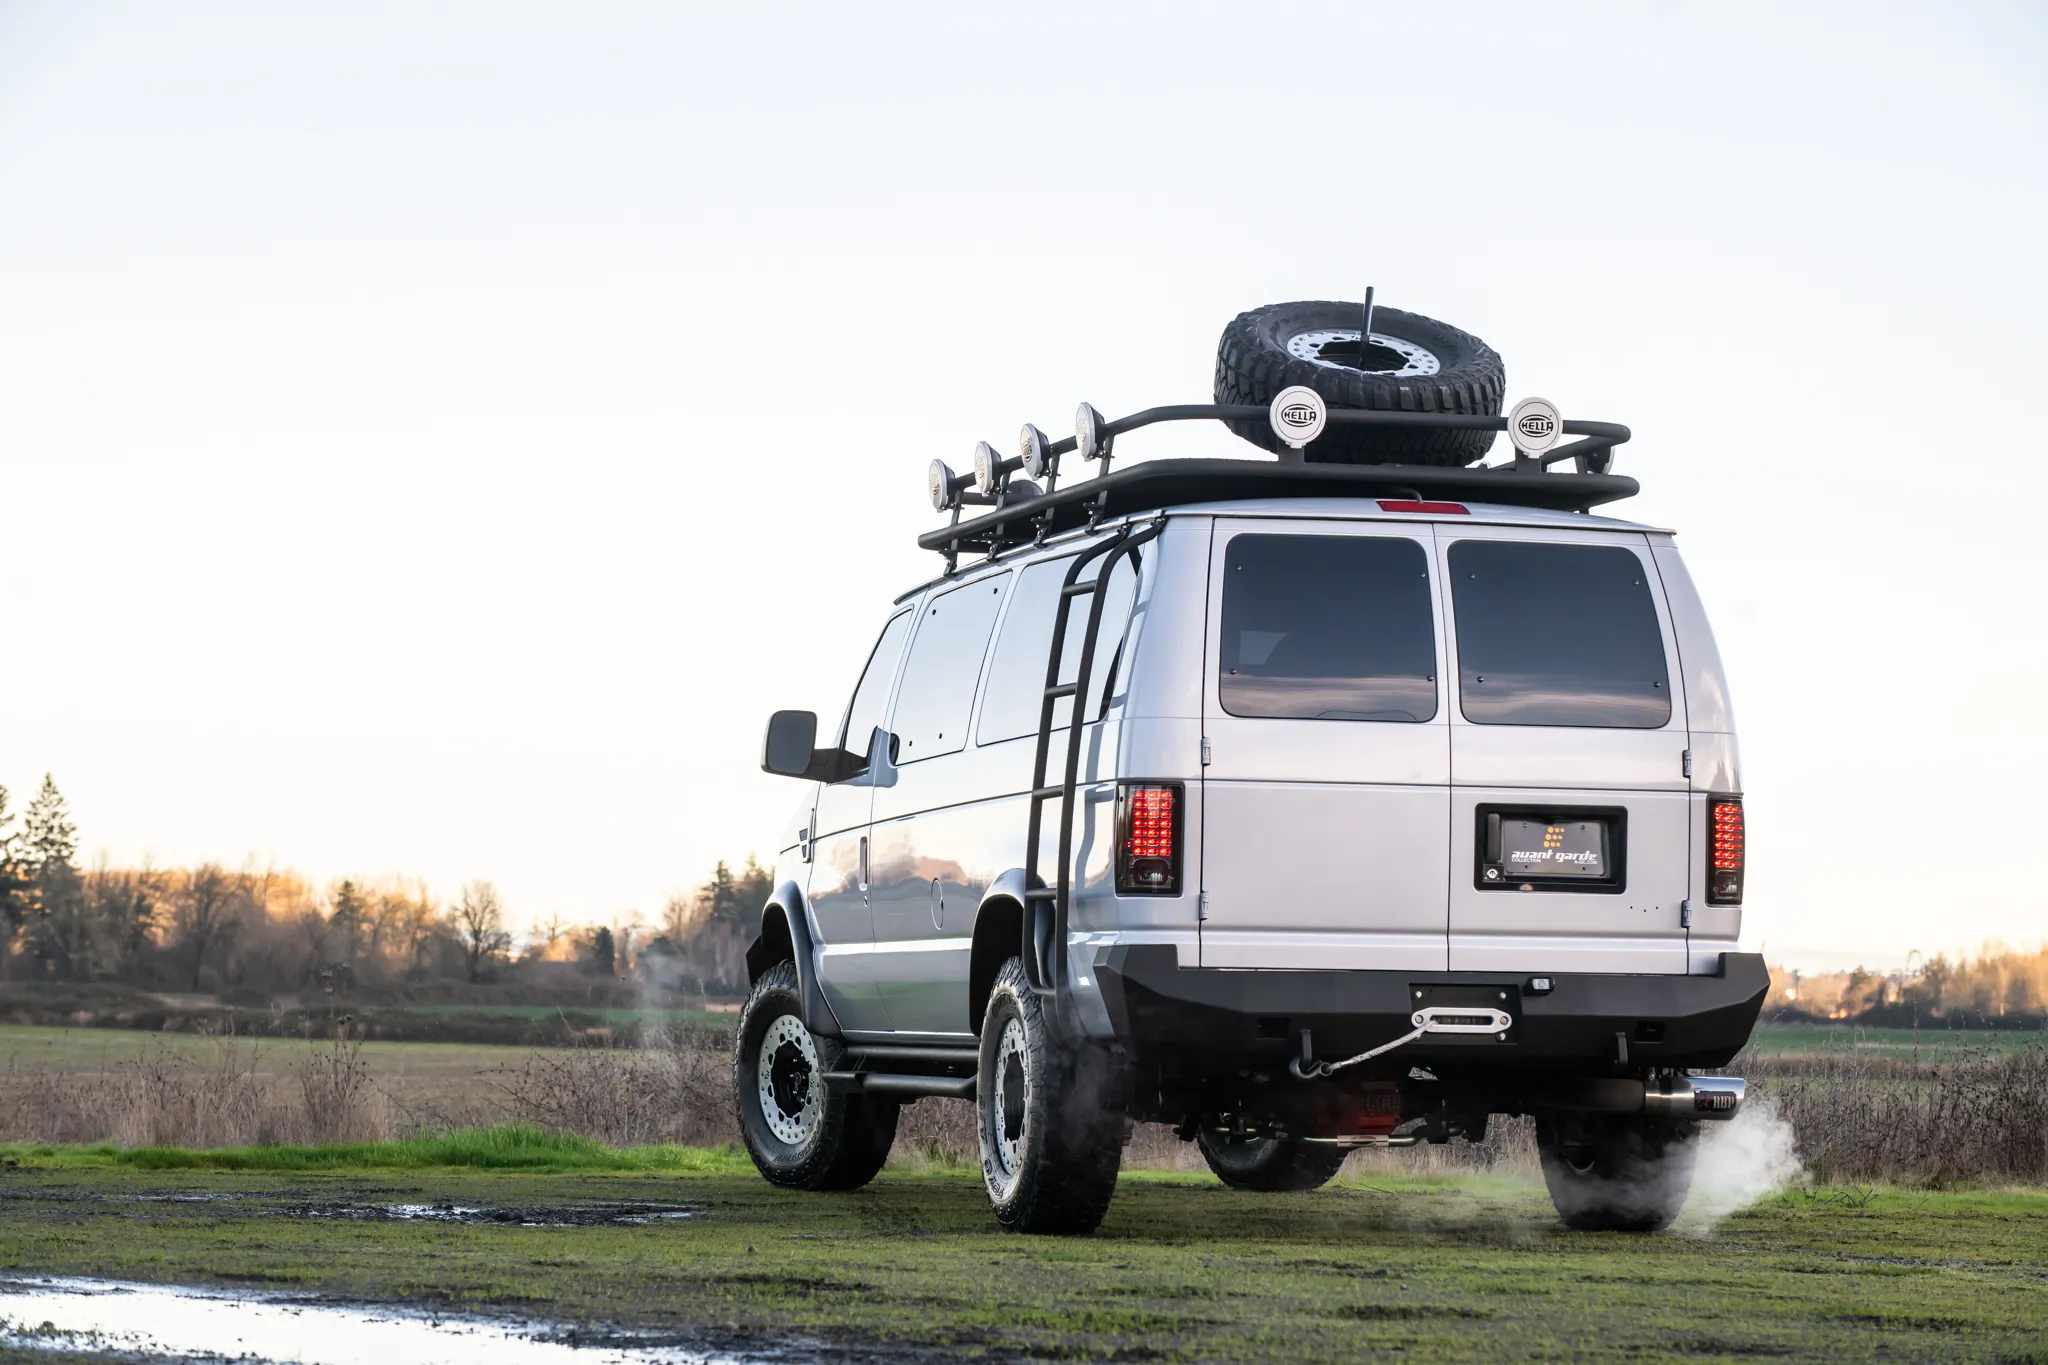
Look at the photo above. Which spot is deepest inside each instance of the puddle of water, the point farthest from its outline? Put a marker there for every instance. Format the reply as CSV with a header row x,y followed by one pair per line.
x,y
569,1217
101,1316
555,1216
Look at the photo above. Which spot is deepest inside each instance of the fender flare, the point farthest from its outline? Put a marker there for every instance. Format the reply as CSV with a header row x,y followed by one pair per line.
x,y
786,936
1008,889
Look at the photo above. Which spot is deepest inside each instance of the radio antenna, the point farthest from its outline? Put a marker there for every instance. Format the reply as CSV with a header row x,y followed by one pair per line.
x,y
1365,329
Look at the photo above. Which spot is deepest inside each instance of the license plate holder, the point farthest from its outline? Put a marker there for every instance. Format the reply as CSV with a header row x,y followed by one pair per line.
x,y
1548,849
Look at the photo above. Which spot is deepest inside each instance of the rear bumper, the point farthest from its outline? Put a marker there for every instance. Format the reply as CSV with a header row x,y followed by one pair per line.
x,y
1195,1018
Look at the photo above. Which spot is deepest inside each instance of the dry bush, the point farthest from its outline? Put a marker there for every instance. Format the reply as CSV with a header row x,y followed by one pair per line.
x,y
165,1099
678,1091
337,1103
1971,1117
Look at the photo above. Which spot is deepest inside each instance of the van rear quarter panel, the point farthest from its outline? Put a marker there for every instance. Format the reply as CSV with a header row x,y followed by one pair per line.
x,y
1716,758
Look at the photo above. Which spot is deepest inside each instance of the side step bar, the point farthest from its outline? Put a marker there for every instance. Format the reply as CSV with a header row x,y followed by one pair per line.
x,y
885,1083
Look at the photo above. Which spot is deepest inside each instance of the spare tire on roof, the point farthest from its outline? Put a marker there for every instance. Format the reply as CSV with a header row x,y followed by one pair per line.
x,y
1411,364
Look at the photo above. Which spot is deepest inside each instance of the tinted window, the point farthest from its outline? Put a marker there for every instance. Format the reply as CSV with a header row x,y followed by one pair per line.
x,y
1328,628
937,693
1557,635
864,712
1016,680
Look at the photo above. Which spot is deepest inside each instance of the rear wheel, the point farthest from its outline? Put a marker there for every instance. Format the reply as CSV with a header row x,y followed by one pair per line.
x,y
1616,1174
1050,1117
800,1133
1269,1164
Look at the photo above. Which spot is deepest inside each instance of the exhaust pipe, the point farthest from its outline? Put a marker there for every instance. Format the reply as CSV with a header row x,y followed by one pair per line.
x,y
1694,1097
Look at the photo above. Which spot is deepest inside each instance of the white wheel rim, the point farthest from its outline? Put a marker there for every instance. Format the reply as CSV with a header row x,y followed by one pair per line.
x,y
1011,1101
1416,360
790,1080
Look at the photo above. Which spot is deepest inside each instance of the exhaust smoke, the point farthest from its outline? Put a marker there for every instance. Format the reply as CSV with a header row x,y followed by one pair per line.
x,y
1739,1163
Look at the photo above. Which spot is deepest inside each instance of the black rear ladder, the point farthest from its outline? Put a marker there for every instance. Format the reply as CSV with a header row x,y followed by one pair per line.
x,y
1060,894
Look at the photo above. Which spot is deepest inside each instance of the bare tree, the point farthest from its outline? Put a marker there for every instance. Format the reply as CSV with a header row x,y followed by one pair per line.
x,y
479,921
206,913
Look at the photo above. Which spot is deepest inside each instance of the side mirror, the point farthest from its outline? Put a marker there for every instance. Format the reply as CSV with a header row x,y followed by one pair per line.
x,y
791,743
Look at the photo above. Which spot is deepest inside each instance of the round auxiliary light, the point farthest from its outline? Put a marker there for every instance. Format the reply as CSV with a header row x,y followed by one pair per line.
x,y
1091,433
938,480
1534,425
1297,415
985,459
1031,444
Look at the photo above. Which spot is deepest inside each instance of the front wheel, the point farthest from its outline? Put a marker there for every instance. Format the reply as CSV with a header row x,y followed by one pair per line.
x,y
1271,1165
1616,1174
800,1133
1051,1117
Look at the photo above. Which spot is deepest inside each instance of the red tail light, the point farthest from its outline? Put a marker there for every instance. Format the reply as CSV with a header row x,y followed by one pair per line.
x,y
1148,840
1427,509
1724,851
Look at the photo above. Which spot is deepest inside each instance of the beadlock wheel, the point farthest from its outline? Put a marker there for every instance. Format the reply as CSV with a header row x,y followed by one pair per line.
x,y
1012,1100
790,1079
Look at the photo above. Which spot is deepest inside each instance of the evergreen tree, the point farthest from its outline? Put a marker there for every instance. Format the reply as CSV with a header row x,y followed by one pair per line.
x,y
14,883
58,932
47,834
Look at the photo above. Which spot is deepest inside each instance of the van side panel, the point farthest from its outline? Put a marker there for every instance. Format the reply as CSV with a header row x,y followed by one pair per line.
x,y
1716,759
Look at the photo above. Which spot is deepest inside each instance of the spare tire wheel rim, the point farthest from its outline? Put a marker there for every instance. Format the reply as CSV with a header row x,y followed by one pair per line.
x,y
1413,360
1012,1099
790,1080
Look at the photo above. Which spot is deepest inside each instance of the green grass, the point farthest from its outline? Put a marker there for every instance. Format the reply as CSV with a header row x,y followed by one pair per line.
x,y
1439,1270
1836,1039
504,1147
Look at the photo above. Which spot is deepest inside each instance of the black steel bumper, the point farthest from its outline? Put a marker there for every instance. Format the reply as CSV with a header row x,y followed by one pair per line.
x,y
1176,1017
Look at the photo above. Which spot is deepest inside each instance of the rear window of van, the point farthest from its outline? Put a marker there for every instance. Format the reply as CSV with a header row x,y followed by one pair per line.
x,y
1328,628
1554,634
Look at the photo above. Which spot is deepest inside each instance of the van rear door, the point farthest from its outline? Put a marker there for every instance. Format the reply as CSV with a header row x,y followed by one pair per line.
x,y
1326,795
1570,826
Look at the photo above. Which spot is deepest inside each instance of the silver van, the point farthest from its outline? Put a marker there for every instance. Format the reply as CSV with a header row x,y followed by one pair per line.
x,y
1300,806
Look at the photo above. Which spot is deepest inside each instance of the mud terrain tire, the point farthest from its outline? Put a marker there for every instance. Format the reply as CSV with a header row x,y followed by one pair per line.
x,y
1617,1175
1254,363
814,1138
1050,1116
1269,1165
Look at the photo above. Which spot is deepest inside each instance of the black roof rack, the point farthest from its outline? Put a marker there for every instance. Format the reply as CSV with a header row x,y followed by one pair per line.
x,y
1158,484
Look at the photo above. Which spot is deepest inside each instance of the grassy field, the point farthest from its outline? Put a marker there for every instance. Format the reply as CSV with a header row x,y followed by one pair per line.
x,y
1835,1039
692,1242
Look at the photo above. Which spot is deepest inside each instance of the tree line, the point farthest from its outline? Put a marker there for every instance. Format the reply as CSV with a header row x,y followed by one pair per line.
x,y
266,932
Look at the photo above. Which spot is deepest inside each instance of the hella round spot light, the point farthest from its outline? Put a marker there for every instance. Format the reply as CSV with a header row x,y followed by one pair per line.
x,y
1091,436
1534,425
938,480
1031,444
985,472
1297,415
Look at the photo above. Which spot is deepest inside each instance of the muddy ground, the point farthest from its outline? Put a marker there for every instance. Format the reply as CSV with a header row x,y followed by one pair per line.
x,y
1445,1269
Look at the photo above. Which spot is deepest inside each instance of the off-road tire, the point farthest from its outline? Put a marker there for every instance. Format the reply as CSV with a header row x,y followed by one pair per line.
x,y
844,1142
1253,365
1617,1174
1050,1117
1270,1165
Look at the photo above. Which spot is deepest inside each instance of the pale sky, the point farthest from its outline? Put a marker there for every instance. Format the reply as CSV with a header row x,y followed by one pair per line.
x,y
433,438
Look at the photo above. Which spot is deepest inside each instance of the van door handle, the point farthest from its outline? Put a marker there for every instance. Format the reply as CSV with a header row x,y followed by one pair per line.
x,y
863,867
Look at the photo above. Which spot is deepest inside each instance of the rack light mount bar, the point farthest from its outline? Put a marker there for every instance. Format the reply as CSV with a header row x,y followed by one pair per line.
x,y
1025,511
